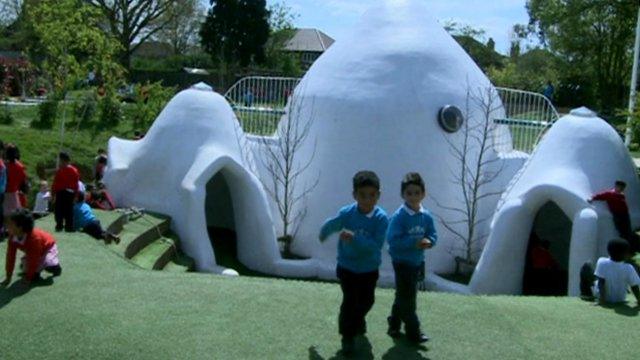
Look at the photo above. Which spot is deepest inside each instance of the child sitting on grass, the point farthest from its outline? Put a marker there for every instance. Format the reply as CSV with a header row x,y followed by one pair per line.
x,y
362,228
614,276
411,231
85,220
39,247
43,196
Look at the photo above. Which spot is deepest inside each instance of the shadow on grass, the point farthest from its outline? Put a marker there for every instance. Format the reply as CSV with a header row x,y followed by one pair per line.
x,y
623,309
405,350
401,350
19,288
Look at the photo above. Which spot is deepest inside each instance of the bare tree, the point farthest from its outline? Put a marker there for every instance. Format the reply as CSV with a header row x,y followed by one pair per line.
x,y
183,25
476,168
134,21
285,167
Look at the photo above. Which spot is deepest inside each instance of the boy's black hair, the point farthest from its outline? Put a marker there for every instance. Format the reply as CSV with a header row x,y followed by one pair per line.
x,y
102,160
618,249
80,196
621,183
365,178
64,156
23,219
11,152
412,178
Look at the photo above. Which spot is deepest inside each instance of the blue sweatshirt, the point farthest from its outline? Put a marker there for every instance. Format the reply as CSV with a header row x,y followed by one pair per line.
x,y
362,254
406,229
82,215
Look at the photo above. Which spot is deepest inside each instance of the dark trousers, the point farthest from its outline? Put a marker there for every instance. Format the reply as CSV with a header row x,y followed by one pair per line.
x,y
95,230
63,210
358,296
404,305
1,212
622,223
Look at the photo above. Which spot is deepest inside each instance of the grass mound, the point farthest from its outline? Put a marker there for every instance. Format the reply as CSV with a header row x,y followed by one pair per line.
x,y
105,307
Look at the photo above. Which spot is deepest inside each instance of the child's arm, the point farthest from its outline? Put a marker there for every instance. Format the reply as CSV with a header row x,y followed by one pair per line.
x,y
331,226
375,242
10,262
398,236
636,293
431,232
602,291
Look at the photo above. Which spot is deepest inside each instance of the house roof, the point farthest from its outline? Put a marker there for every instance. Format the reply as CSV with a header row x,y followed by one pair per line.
x,y
153,49
312,40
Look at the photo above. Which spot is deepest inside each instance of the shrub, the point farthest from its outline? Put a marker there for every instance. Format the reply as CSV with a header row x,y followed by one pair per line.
x,y
109,110
151,98
47,113
85,109
6,117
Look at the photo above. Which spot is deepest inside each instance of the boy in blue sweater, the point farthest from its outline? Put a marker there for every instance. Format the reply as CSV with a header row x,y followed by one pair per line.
x,y
411,231
362,228
85,220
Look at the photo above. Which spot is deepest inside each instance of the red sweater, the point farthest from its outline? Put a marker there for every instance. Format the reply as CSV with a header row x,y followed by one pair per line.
x,y
16,175
35,246
616,201
67,177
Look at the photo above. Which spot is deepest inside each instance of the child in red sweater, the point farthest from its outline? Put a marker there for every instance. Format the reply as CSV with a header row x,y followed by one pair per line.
x,y
39,247
617,203
64,188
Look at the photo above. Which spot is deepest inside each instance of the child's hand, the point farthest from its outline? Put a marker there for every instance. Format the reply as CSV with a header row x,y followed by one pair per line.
x,y
424,244
346,236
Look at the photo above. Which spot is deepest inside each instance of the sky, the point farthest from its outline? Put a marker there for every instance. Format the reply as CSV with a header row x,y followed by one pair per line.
x,y
336,17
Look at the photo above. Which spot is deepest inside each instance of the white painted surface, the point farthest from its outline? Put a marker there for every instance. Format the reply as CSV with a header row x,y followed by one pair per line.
x,y
579,156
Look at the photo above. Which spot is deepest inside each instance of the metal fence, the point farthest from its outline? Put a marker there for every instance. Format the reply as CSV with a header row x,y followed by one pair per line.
x,y
260,102
528,116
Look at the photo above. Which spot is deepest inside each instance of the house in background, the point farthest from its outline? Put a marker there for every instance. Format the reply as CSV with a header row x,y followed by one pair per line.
x,y
309,44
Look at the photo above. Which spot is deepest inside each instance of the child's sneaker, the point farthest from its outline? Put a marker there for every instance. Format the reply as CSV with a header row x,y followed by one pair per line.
x,y
418,339
394,329
348,346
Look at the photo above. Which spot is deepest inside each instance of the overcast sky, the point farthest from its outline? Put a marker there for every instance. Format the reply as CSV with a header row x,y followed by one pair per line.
x,y
335,17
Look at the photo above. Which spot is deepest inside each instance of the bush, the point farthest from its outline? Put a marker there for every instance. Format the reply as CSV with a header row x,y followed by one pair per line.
x,y
85,110
47,113
6,117
151,98
109,110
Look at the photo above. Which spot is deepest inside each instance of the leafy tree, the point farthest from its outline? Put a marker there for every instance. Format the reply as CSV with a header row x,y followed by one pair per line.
x,y
136,21
183,20
235,32
529,71
472,41
73,43
593,38
282,30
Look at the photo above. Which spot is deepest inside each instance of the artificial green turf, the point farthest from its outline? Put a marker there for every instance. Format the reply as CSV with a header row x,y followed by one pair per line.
x,y
103,307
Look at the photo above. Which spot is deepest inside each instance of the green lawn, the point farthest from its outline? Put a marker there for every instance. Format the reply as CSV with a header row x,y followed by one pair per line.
x,y
104,307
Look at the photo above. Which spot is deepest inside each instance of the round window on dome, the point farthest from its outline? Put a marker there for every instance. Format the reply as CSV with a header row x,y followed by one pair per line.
x,y
450,118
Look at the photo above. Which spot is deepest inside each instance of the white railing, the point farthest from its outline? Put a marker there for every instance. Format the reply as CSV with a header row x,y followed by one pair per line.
x,y
259,102
528,116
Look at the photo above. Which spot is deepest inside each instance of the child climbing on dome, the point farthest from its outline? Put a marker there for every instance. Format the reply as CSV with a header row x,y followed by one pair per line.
x,y
362,227
411,232
617,203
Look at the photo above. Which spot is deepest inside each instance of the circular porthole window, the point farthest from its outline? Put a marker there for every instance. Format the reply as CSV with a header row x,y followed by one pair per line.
x,y
450,118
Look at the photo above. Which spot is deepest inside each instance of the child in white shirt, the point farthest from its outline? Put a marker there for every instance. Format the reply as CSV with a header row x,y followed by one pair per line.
x,y
615,276
41,207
